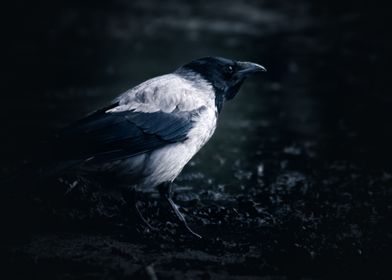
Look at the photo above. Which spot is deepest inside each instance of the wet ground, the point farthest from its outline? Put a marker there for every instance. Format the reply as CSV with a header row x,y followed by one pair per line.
x,y
296,182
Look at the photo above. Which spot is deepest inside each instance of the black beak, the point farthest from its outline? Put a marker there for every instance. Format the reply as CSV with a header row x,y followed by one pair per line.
x,y
247,68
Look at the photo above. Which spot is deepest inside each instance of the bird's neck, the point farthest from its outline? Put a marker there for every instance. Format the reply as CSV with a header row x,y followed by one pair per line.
x,y
203,85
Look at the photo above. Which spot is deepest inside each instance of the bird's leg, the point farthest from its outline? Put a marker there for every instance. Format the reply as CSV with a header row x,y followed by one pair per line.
x,y
166,192
132,197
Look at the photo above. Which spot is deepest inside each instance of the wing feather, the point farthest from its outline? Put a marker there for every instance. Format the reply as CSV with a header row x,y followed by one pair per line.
x,y
105,136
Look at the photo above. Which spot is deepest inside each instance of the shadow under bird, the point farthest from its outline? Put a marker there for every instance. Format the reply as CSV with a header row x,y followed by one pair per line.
x,y
149,133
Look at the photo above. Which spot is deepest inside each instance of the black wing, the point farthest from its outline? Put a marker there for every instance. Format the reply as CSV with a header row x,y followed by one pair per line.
x,y
109,136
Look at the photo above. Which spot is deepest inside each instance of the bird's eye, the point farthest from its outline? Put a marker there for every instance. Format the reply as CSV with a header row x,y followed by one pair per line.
x,y
229,70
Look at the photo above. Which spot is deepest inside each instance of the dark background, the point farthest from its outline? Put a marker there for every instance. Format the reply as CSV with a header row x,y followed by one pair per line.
x,y
296,182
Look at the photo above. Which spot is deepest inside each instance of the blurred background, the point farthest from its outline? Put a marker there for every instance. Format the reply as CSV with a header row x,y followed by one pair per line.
x,y
303,153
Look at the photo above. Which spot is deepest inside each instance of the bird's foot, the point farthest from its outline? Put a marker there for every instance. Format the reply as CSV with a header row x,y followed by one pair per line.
x,y
131,197
166,192
141,217
181,217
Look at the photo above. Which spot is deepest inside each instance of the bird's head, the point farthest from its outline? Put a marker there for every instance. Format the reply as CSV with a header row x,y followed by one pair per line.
x,y
225,75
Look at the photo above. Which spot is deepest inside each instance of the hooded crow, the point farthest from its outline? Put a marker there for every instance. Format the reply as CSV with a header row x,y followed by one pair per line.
x,y
150,132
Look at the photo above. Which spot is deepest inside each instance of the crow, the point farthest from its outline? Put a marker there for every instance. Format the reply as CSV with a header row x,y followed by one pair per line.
x,y
149,133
